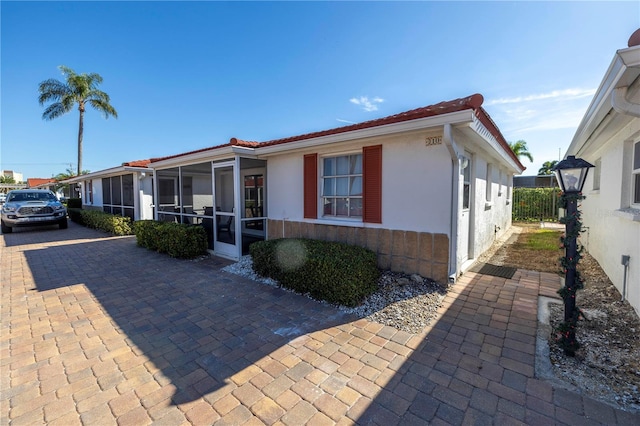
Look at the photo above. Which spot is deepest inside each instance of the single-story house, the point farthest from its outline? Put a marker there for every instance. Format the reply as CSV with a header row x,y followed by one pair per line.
x,y
48,183
428,190
609,138
126,190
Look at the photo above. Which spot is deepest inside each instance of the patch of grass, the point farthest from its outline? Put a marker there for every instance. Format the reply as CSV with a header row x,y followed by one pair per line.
x,y
535,249
543,239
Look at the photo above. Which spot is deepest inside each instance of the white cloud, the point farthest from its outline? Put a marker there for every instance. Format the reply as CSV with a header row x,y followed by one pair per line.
x,y
345,121
565,94
366,103
547,121
558,109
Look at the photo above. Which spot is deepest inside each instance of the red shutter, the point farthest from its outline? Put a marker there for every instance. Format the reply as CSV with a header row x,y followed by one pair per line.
x,y
311,186
372,180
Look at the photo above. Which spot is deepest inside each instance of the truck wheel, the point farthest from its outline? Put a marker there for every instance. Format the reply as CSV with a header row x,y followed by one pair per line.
x,y
63,223
5,229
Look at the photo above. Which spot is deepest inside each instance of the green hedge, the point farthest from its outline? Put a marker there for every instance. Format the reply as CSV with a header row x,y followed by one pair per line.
x,y
335,272
534,204
74,203
75,214
116,225
175,239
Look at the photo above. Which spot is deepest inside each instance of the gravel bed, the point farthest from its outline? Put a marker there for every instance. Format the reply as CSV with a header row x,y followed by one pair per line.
x,y
405,302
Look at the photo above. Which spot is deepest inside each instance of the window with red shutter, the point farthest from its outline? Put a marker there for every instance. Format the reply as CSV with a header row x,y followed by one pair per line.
x,y
311,186
372,178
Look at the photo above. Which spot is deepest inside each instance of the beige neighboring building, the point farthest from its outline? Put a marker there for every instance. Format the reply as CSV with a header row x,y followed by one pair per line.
x,y
17,177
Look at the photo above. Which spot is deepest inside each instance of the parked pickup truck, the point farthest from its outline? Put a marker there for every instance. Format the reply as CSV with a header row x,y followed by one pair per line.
x,y
32,207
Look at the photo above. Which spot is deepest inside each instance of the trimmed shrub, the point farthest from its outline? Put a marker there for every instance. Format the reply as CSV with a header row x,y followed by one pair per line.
x,y
74,203
75,214
175,239
113,224
147,234
335,272
534,204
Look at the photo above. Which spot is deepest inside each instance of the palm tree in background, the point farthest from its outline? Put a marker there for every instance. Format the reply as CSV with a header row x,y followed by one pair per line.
x,y
77,89
67,174
547,167
520,149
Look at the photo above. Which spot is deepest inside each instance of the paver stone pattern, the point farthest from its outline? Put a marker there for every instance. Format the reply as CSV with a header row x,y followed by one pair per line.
x,y
98,331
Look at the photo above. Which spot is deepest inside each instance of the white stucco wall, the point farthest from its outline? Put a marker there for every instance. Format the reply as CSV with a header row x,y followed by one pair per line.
x,y
610,233
492,218
416,182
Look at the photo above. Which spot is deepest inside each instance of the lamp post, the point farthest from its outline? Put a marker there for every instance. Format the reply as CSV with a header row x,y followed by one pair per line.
x,y
571,174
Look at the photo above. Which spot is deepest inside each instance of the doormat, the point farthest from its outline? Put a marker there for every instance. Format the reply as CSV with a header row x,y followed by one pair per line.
x,y
494,270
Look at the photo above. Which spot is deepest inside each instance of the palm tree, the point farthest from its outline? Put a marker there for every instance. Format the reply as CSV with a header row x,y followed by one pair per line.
x,y
67,174
80,89
520,149
547,167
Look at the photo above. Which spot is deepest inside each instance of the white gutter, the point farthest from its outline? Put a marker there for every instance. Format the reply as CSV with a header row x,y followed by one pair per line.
x,y
387,129
107,172
205,155
604,98
620,103
454,152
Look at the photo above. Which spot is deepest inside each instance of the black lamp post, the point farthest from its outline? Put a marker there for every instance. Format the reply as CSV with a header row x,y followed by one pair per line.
x,y
571,174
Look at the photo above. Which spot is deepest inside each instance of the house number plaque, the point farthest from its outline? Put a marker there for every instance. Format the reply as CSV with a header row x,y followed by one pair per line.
x,y
433,140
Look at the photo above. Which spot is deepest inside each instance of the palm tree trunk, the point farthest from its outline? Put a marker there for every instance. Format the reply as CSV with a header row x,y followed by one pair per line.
x,y
80,133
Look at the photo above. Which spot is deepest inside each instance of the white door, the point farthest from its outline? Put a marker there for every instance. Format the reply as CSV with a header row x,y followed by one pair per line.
x,y
225,238
465,209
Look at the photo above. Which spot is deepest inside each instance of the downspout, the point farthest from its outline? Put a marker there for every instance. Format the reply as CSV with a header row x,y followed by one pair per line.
x,y
455,189
620,103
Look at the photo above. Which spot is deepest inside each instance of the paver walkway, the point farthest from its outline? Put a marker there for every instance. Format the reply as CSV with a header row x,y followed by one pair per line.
x,y
98,331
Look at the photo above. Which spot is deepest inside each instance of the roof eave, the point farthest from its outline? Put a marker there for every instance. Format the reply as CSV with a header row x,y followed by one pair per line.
x,y
383,130
479,128
204,155
617,75
107,172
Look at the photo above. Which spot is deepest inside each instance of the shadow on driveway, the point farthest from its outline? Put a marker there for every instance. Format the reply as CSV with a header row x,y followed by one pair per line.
x,y
196,324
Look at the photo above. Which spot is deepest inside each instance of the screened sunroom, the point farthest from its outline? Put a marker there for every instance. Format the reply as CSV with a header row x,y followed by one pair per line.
x,y
225,194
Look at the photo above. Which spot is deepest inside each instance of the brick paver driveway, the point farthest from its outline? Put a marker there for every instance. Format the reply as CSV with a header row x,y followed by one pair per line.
x,y
97,331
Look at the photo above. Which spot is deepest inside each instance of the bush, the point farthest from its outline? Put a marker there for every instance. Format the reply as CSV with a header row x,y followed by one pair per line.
x,y
115,225
74,203
75,214
175,239
335,272
147,234
534,204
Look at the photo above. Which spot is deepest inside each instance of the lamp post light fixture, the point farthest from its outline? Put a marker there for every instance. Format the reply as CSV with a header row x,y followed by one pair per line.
x,y
571,174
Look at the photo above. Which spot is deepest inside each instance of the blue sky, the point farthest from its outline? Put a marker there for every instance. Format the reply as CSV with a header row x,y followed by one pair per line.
x,y
189,75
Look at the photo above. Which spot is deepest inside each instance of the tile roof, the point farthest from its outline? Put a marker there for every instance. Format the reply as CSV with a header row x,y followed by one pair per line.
x,y
137,163
472,102
34,182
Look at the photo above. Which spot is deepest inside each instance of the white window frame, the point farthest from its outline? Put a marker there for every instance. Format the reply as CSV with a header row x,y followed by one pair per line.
x,y
465,171
489,185
635,175
326,198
